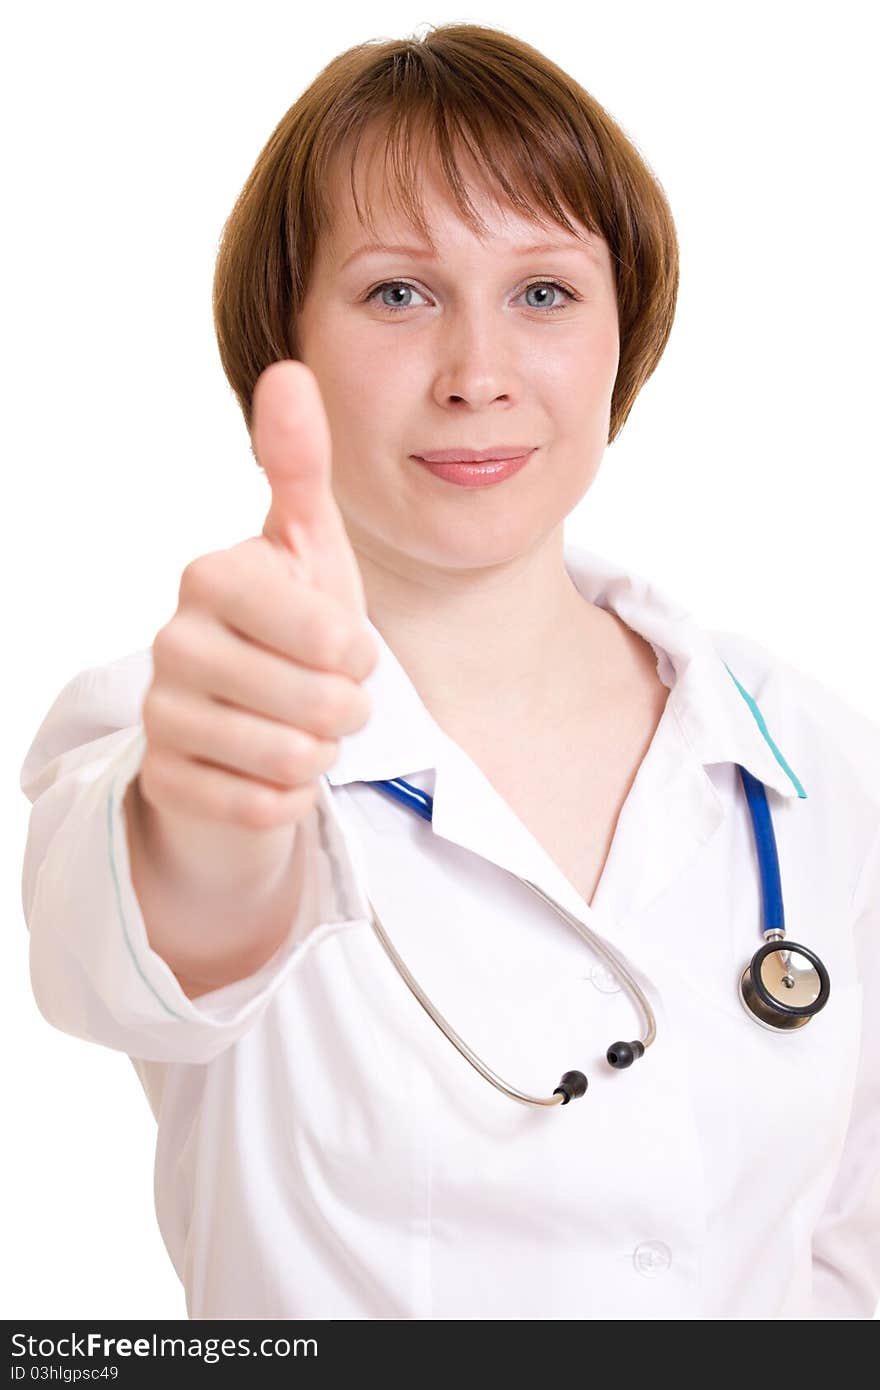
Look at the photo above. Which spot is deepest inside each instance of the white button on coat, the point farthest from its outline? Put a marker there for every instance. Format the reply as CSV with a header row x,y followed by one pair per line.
x,y
652,1257
322,1149
603,978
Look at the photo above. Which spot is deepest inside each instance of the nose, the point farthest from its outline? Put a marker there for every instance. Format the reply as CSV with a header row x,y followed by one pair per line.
x,y
475,357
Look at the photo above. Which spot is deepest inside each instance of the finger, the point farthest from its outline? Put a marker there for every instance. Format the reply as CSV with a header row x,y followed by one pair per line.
x,y
257,598
291,440
236,740
202,654
291,437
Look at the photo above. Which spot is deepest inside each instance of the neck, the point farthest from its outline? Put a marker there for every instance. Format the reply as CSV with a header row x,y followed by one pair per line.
x,y
507,641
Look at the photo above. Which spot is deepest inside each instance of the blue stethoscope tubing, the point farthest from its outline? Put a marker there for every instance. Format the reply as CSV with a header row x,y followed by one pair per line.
x,y
806,978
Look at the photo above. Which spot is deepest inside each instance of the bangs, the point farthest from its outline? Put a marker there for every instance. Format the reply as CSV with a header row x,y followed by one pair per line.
x,y
520,149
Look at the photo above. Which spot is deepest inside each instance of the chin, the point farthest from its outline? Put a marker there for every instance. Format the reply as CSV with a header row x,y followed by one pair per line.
x,y
477,546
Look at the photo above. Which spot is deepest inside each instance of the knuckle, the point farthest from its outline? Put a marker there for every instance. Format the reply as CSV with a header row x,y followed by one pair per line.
x,y
361,656
192,579
268,809
155,774
199,581
305,797
329,752
258,808
334,708
148,711
154,713
332,639
169,644
289,759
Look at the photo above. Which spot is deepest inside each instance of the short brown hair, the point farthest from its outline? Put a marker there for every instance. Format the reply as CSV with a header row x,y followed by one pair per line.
x,y
548,145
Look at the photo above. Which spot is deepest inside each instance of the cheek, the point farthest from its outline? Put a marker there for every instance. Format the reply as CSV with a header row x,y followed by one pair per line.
x,y
599,361
579,366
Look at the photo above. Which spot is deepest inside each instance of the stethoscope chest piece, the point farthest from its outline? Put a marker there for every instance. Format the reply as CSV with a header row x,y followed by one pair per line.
x,y
784,986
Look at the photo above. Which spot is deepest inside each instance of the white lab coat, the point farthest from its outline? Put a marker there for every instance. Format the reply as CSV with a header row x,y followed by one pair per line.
x,y
323,1151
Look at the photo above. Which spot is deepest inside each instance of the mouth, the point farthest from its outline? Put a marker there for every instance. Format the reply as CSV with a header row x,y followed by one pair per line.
x,y
469,474
499,453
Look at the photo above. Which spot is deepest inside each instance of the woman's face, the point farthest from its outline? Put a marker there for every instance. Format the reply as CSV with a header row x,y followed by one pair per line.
x,y
483,351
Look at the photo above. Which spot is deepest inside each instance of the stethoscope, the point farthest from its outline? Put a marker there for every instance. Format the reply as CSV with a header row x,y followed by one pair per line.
x,y
780,989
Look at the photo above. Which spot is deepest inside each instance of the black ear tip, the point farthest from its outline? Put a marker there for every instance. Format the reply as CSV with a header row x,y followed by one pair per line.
x,y
572,1085
623,1054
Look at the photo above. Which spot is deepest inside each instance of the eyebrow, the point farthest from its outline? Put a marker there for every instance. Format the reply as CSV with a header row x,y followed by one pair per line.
x,y
374,248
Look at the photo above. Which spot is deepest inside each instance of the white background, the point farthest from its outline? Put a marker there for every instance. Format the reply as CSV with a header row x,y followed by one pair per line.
x,y
744,483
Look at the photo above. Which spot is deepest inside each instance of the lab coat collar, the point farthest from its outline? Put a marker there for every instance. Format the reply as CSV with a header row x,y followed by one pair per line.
x,y
720,723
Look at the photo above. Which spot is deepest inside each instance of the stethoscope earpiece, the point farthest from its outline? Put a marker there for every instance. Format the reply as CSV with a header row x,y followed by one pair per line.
x,y
619,1054
623,1054
572,1085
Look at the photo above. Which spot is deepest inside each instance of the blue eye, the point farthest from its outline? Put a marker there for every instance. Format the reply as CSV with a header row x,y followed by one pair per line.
x,y
405,286
553,284
392,284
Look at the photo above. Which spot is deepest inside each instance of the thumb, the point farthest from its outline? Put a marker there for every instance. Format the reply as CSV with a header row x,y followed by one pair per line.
x,y
290,436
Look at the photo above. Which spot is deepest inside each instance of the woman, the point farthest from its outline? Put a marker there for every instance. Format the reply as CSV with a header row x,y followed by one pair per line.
x,y
448,248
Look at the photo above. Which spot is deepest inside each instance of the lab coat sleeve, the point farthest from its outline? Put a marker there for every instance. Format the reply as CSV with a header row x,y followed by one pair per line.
x,y
846,1240
93,972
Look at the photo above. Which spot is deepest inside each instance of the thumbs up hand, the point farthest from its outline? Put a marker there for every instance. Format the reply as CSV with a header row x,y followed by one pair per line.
x,y
256,677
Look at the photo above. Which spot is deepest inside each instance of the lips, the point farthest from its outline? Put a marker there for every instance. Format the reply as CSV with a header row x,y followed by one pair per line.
x,y
493,455
485,474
